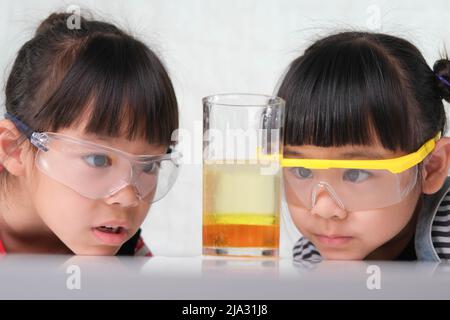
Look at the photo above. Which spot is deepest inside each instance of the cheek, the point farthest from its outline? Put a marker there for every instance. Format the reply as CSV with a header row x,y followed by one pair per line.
x,y
301,217
64,211
380,226
141,213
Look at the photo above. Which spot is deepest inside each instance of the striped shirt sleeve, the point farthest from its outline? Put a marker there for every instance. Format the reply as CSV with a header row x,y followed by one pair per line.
x,y
440,230
305,250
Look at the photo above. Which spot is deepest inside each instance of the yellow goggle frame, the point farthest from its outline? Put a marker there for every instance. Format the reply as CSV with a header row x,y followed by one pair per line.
x,y
394,165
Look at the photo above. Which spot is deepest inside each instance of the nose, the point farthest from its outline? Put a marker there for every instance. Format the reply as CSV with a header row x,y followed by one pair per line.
x,y
326,204
126,197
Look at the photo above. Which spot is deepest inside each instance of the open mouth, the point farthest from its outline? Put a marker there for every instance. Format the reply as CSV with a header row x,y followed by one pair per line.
x,y
109,229
110,235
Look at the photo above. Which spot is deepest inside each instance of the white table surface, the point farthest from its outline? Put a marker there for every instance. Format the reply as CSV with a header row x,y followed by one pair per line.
x,y
46,277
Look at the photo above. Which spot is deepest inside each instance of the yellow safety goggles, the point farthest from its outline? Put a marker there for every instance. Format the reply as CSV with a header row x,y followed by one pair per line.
x,y
353,184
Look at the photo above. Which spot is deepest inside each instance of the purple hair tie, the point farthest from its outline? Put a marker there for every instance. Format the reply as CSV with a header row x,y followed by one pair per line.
x,y
443,80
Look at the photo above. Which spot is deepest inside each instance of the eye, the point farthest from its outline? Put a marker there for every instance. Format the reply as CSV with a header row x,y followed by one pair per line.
x,y
356,175
151,167
302,173
97,160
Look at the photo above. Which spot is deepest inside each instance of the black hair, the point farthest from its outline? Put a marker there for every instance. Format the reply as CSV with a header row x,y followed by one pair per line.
x,y
352,87
98,71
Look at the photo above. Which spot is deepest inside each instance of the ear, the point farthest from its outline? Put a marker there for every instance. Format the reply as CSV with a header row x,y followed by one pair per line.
x,y
436,166
12,153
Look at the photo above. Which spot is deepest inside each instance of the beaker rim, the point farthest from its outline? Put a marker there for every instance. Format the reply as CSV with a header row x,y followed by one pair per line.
x,y
225,99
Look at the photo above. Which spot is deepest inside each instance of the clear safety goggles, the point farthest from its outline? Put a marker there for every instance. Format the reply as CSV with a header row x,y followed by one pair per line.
x,y
353,184
96,171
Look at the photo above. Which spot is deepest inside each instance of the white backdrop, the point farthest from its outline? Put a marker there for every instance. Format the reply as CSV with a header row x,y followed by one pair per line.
x,y
226,46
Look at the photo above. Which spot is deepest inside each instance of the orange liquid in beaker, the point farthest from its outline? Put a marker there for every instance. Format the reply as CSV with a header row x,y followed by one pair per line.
x,y
240,207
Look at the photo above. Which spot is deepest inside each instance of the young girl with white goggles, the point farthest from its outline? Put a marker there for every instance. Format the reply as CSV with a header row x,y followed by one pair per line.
x,y
86,144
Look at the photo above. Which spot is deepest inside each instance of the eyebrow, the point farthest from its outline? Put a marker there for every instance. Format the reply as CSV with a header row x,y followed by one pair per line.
x,y
344,155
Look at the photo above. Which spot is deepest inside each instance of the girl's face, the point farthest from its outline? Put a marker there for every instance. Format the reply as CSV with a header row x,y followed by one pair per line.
x,y
342,235
75,219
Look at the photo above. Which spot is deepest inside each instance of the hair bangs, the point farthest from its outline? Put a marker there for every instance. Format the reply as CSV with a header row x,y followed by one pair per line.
x,y
347,93
121,89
